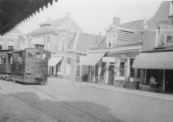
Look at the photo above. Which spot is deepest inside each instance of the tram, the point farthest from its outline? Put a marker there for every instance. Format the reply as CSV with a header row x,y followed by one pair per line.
x,y
28,66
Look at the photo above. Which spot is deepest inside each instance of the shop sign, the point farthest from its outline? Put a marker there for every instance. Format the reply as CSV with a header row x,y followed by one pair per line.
x,y
108,59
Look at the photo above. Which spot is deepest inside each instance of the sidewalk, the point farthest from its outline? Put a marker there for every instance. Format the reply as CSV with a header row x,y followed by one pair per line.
x,y
153,95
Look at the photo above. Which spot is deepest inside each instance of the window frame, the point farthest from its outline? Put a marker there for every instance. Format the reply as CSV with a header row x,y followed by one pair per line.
x,y
111,38
62,43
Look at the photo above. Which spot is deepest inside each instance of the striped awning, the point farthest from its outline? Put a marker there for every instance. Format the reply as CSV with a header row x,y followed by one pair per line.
x,y
156,60
91,59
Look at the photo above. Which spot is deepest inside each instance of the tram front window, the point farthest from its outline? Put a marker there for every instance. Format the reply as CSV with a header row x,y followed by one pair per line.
x,y
38,55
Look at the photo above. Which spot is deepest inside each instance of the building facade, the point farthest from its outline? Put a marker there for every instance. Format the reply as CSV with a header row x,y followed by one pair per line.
x,y
66,43
12,40
113,57
157,50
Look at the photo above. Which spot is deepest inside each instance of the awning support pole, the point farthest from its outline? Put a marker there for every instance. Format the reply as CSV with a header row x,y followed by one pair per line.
x,y
163,80
99,70
107,72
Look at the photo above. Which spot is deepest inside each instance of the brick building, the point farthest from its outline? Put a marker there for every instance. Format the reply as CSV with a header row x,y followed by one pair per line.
x,y
156,57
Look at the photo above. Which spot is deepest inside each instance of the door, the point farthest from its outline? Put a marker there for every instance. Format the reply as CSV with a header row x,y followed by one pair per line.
x,y
169,81
111,75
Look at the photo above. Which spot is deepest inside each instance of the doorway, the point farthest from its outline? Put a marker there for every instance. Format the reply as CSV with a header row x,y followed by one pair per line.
x,y
111,74
169,81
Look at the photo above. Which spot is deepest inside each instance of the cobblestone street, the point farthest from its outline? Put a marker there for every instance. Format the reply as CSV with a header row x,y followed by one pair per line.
x,y
62,101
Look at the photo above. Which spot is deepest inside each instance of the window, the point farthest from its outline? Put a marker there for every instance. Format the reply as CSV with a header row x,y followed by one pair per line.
x,y
44,56
10,47
171,9
169,40
38,55
131,67
121,67
2,59
1,47
62,43
30,55
114,37
111,38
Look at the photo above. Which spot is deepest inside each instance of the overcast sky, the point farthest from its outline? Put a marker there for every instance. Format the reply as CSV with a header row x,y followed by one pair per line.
x,y
93,16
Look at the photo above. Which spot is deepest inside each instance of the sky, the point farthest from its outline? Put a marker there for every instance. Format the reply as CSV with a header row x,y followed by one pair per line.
x,y
94,16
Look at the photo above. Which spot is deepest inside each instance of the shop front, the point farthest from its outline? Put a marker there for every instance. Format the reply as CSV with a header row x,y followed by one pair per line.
x,y
93,61
54,66
160,66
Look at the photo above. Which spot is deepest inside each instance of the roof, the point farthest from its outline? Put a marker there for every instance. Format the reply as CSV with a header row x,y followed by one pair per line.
x,y
136,25
14,12
135,43
54,22
82,42
137,36
161,14
42,30
54,26
85,42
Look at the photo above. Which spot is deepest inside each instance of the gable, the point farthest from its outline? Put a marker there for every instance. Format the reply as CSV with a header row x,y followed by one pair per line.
x,y
161,15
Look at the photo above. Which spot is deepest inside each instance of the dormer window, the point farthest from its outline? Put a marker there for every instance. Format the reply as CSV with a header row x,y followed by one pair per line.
x,y
171,9
111,38
45,26
164,36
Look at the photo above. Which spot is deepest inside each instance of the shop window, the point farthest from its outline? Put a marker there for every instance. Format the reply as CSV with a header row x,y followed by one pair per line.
x,y
1,47
169,40
121,68
38,55
132,70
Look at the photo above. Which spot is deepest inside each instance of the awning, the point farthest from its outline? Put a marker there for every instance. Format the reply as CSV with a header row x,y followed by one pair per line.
x,y
91,59
14,12
157,60
54,60
39,41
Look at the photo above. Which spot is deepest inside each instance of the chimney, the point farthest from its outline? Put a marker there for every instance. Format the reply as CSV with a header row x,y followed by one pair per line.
x,y
116,21
67,14
48,19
